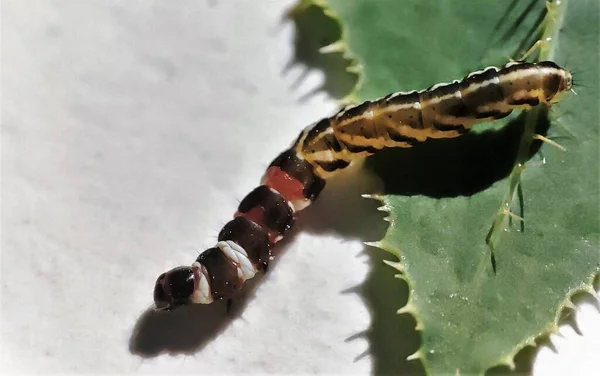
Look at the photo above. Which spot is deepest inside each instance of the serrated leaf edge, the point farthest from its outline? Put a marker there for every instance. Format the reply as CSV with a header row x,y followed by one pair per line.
x,y
410,307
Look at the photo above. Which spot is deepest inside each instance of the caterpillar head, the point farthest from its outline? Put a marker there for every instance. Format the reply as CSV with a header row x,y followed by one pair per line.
x,y
174,288
568,81
565,85
557,82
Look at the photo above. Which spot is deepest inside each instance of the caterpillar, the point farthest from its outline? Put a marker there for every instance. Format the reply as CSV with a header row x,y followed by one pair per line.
x,y
295,178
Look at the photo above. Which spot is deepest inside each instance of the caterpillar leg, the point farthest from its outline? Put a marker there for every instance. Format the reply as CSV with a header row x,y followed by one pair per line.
x,y
551,16
539,45
549,141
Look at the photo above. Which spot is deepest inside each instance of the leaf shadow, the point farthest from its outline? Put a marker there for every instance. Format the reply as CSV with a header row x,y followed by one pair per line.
x,y
341,210
455,167
314,30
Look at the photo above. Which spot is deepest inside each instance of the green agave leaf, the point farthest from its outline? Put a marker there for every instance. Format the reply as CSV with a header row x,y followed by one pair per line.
x,y
470,318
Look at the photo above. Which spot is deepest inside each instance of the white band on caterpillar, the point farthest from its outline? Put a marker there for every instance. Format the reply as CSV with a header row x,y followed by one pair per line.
x,y
239,257
202,293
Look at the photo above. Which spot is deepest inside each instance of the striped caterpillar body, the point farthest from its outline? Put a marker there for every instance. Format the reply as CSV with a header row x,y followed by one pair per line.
x,y
296,177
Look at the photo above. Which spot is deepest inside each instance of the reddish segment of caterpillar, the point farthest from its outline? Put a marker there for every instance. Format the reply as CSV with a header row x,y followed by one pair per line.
x,y
245,243
296,177
442,111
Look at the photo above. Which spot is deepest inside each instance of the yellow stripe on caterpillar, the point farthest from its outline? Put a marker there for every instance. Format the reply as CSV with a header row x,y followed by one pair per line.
x,y
442,111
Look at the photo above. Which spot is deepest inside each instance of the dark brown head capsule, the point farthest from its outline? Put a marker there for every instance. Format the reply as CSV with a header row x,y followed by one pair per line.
x,y
174,288
556,81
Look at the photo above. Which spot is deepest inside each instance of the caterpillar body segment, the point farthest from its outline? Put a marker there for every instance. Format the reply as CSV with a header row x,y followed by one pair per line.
x,y
297,176
441,111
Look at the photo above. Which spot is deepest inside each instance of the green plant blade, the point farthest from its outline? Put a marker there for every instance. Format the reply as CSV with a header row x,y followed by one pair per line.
x,y
470,318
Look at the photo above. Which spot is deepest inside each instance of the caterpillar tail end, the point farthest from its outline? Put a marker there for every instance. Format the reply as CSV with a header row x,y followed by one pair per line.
x,y
173,288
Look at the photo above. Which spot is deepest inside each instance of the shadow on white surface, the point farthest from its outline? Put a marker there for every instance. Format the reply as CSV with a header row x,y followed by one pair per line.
x,y
186,330
343,211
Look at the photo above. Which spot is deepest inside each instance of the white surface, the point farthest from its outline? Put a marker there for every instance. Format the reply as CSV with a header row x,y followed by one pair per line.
x,y
130,130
